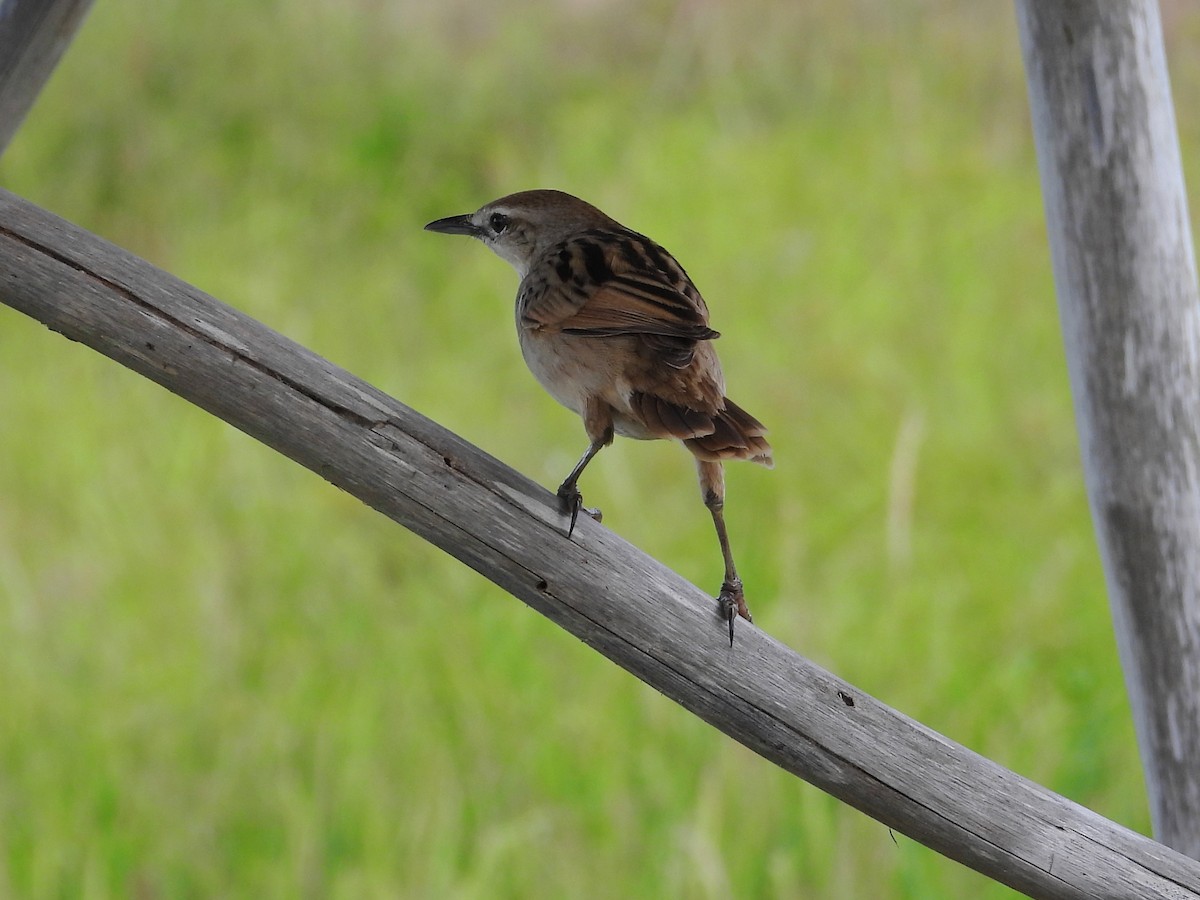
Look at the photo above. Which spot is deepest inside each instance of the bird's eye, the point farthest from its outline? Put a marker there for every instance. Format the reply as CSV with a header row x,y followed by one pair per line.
x,y
498,222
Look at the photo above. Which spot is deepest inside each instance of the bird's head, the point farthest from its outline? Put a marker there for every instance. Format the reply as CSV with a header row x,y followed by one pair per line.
x,y
521,227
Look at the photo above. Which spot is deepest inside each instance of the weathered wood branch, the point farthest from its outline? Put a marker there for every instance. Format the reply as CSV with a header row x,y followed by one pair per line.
x,y
33,35
598,587
1117,216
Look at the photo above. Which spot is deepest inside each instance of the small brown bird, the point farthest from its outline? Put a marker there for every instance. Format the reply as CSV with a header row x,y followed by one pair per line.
x,y
614,329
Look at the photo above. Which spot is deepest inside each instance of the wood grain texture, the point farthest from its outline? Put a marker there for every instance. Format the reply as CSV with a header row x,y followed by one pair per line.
x,y
627,606
33,36
1116,212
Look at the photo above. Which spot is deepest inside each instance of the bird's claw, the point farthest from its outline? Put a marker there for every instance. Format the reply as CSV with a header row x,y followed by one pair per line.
x,y
572,499
733,604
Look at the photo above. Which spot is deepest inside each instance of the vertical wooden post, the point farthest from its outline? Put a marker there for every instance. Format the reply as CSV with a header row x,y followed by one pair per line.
x,y
1117,217
33,35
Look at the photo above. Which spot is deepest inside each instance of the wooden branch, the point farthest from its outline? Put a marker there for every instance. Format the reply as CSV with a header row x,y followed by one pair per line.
x,y
33,35
616,599
1116,211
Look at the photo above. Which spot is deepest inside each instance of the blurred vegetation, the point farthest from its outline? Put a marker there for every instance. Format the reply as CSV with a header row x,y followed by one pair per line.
x,y
221,677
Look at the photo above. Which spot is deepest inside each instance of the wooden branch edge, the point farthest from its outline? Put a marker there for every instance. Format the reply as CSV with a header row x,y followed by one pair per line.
x,y
33,36
598,587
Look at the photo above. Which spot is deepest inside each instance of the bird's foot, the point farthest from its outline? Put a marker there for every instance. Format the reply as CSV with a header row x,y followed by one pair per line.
x,y
733,604
572,502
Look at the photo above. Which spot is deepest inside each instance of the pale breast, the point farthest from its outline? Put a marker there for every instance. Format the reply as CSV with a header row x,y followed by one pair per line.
x,y
573,369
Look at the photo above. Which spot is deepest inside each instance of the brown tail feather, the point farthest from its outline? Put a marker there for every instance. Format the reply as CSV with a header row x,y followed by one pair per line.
x,y
666,419
736,435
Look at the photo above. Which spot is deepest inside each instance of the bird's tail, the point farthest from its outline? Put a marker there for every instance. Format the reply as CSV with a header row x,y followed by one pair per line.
x,y
736,435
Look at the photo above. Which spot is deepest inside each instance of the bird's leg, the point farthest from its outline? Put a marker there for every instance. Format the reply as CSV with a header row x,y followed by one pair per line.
x,y
568,491
732,598
597,421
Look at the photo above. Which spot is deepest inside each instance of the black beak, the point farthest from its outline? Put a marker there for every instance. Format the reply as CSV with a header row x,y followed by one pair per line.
x,y
455,225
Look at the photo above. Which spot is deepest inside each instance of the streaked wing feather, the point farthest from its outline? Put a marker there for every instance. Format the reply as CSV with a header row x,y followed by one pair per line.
x,y
614,308
613,282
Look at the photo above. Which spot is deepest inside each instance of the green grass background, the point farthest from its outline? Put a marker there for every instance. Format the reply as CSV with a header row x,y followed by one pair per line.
x,y
220,677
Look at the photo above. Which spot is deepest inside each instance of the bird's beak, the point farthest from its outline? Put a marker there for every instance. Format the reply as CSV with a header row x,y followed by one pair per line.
x,y
455,225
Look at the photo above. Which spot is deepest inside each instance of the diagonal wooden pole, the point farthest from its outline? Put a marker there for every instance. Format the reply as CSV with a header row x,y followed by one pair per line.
x,y
619,601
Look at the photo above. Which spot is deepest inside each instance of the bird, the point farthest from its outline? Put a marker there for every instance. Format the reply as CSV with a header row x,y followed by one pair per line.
x,y
613,328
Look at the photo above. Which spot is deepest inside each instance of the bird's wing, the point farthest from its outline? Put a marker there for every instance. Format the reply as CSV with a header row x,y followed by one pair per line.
x,y
602,283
